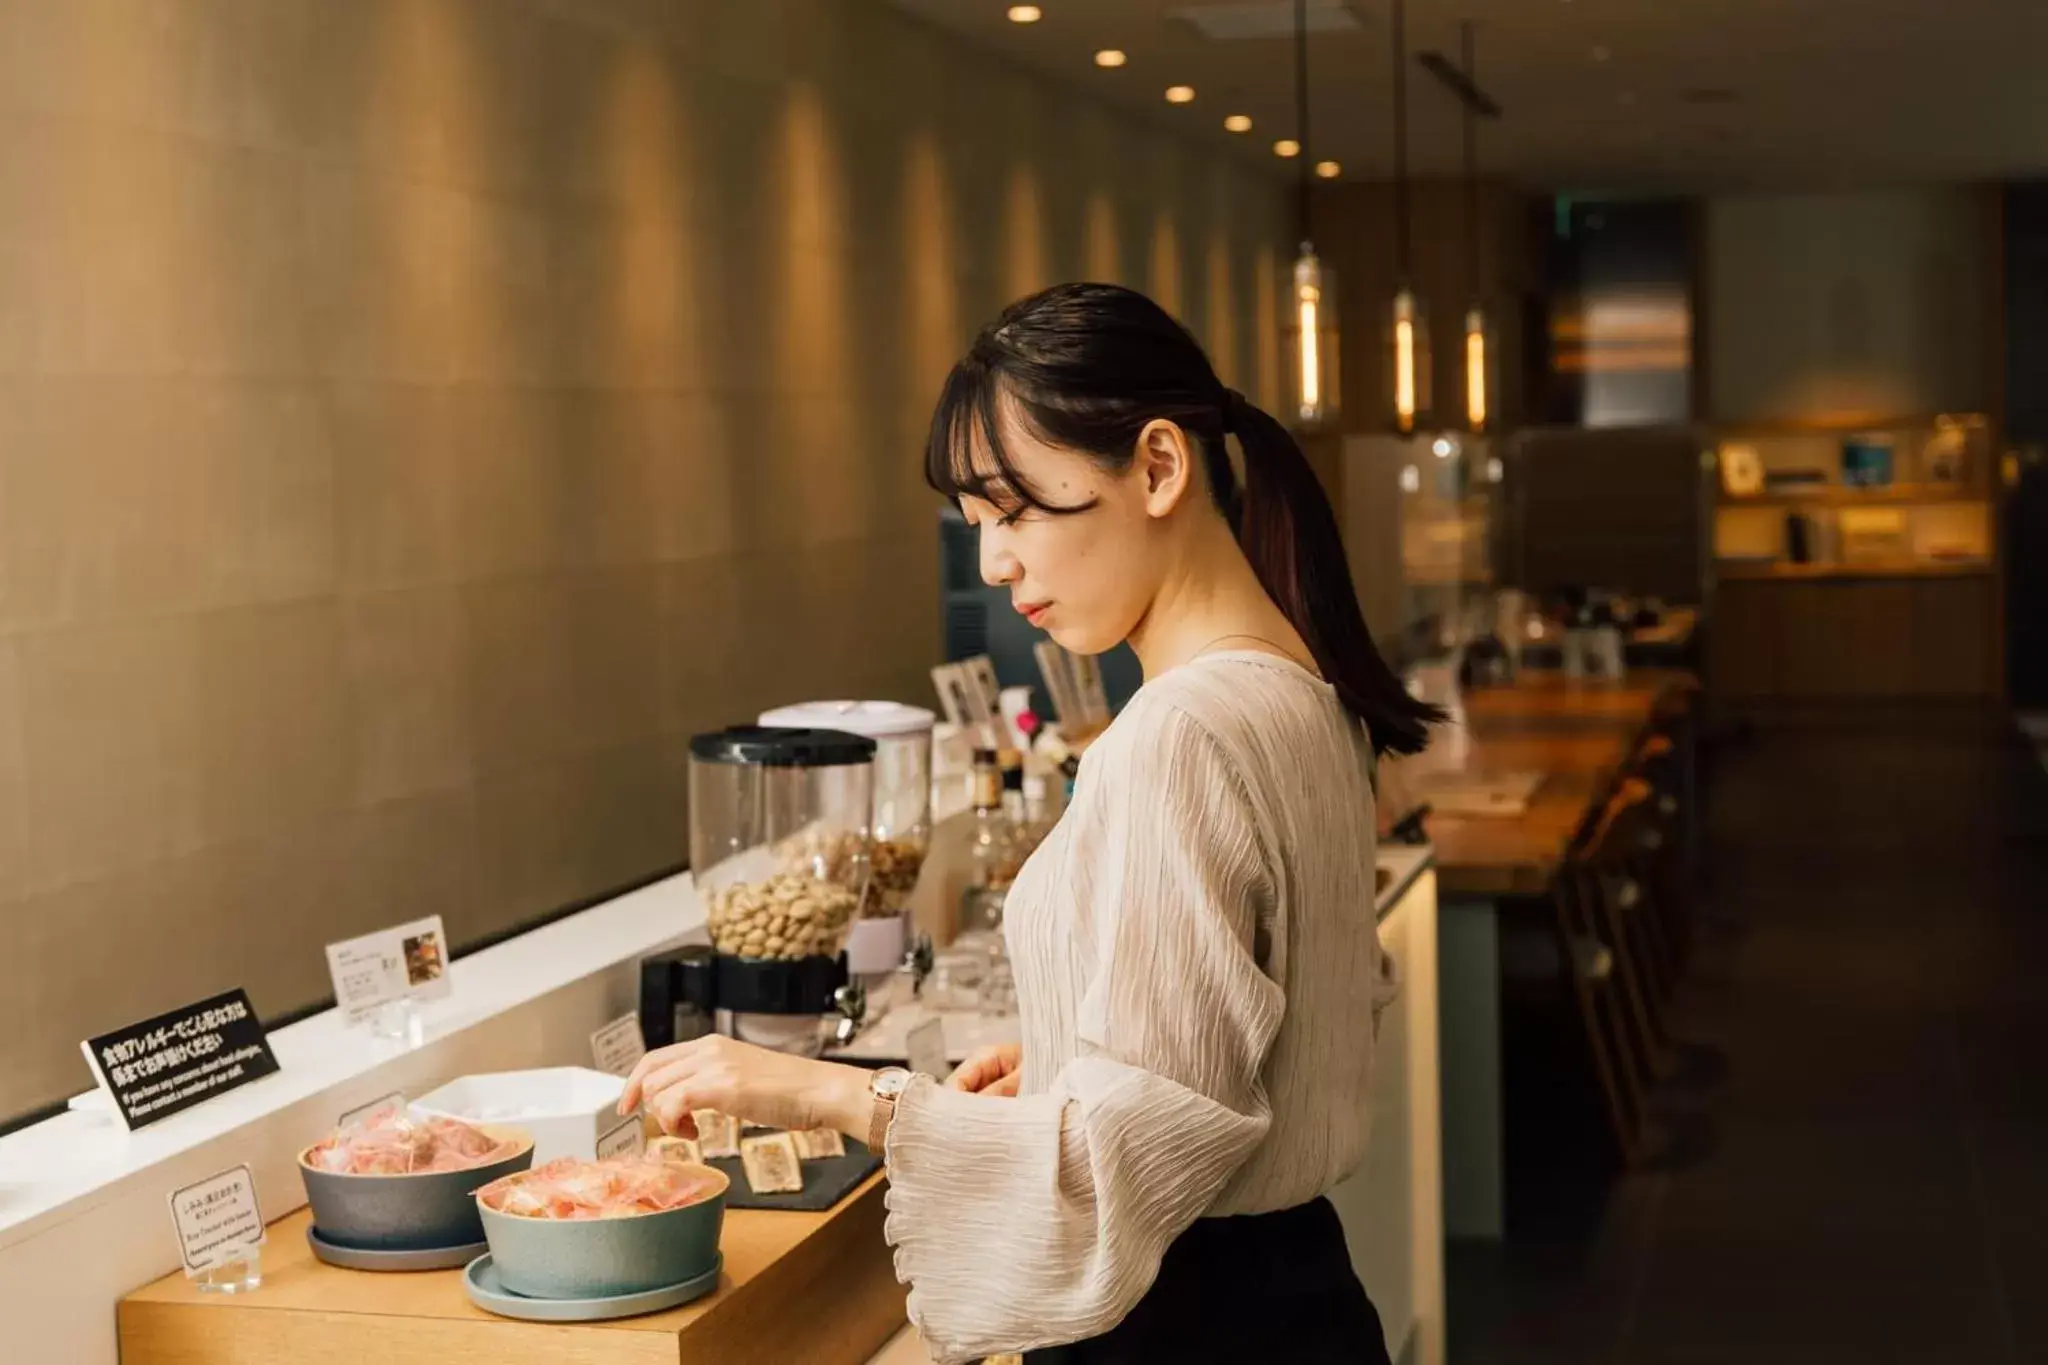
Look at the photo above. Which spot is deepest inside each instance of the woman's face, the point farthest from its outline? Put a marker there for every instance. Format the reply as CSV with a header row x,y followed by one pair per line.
x,y
1085,577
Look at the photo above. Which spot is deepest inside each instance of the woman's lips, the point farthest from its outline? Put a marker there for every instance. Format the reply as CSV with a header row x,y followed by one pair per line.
x,y
1034,612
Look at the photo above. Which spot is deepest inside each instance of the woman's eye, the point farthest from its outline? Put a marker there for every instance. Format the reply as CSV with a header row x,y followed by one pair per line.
x,y
1011,518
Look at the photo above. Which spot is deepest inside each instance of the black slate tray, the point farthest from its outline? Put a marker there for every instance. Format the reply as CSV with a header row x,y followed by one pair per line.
x,y
825,1182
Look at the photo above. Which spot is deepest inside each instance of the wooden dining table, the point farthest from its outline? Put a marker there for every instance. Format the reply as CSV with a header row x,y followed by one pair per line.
x,y
1576,737
1578,734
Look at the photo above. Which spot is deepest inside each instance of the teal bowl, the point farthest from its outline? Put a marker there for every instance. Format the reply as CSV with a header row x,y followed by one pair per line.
x,y
594,1258
418,1212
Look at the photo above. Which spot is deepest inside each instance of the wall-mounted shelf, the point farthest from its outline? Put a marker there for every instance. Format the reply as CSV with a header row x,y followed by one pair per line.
x,y
1912,568
1848,425
1884,495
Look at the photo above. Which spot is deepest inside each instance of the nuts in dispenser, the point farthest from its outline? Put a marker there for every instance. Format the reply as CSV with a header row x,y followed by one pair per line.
x,y
791,915
899,817
892,876
831,854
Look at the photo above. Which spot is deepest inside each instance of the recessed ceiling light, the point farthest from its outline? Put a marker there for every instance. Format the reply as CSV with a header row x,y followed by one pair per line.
x,y
1238,123
1180,94
1600,52
1025,14
1329,170
1287,146
1110,56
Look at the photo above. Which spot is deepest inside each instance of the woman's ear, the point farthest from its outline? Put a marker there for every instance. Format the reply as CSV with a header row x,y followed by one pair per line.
x,y
1166,462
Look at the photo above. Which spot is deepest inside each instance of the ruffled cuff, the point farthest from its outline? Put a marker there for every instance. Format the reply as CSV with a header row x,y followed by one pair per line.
x,y
956,1163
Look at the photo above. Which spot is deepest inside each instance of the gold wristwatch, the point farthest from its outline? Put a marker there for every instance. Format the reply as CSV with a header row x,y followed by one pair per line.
x,y
887,1087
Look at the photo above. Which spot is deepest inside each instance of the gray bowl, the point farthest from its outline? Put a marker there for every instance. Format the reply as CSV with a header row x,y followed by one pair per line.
x,y
406,1212
545,1258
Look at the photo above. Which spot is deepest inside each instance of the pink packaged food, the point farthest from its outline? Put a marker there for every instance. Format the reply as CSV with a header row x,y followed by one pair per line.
x,y
570,1189
392,1142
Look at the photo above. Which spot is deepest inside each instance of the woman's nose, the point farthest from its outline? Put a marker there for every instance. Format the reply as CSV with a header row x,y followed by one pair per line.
x,y
998,565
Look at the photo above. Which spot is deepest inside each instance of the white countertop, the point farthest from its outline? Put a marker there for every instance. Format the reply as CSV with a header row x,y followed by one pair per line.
x,y
966,1033
54,1169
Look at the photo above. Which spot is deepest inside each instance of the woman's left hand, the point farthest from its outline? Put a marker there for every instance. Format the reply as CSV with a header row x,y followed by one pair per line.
x,y
753,1084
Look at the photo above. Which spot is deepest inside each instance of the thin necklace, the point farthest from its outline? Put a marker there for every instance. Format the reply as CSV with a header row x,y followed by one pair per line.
x,y
1283,650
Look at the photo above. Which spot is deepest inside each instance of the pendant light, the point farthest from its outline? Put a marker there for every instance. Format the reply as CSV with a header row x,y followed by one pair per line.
x,y
1312,330
1408,333
1478,373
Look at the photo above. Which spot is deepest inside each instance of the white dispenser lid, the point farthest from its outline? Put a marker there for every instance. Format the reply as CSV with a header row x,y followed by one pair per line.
x,y
871,719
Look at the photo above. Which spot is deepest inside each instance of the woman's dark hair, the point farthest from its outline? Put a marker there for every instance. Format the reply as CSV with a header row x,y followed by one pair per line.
x,y
1084,367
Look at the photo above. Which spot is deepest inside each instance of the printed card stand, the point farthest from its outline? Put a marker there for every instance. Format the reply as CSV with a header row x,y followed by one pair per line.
x,y
165,1065
982,685
1054,666
379,978
220,1232
618,1047
1090,693
629,1137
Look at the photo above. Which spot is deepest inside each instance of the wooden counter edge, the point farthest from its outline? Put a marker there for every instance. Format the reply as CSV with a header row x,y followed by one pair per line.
x,y
835,1298
832,1298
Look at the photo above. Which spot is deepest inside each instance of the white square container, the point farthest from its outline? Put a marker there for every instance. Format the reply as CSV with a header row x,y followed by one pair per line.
x,y
566,1108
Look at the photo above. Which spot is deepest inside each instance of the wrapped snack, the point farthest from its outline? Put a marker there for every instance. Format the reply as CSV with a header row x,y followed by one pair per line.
x,y
818,1144
717,1134
393,1142
772,1165
684,1151
570,1189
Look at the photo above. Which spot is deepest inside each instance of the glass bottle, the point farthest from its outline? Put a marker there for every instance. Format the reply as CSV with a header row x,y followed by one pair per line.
x,y
992,853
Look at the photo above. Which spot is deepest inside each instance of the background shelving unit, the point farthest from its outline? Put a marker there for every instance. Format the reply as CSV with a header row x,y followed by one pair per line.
x,y
1899,595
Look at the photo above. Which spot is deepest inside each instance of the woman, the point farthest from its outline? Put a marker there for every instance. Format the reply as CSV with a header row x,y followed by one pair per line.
x,y
1194,943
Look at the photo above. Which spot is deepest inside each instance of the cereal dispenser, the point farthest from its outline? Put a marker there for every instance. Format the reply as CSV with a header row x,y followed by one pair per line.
x,y
779,849
902,823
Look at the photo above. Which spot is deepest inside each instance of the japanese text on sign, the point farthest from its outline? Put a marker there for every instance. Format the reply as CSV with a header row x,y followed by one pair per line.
x,y
216,1219
157,1067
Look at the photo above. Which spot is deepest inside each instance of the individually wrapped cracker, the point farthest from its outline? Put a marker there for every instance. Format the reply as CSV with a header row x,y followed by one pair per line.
x,y
717,1134
681,1150
772,1165
819,1144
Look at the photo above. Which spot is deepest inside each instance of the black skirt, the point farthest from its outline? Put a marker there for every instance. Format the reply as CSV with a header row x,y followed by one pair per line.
x,y
1268,1287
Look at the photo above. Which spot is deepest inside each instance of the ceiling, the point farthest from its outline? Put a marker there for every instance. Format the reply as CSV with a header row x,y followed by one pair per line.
x,y
1598,94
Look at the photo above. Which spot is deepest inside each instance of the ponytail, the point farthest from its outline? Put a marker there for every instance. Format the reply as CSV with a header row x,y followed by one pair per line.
x,y
1288,530
1087,366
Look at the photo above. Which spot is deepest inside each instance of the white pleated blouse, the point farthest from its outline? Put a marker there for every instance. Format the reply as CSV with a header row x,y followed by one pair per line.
x,y
1198,973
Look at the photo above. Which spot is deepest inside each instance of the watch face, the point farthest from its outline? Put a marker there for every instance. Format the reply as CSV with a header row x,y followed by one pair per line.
x,y
891,1081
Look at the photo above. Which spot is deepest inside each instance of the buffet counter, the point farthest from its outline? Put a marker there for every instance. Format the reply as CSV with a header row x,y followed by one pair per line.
x,y
814,1287
89,1263
83,1218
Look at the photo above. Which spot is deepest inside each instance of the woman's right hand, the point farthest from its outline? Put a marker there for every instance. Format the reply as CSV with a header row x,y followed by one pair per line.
x,y
991,1071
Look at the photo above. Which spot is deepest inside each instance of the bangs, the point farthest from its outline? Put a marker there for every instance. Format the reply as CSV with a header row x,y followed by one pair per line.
x,y
965,456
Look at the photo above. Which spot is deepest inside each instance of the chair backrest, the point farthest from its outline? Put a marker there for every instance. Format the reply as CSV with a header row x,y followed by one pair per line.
x,y
1617,834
